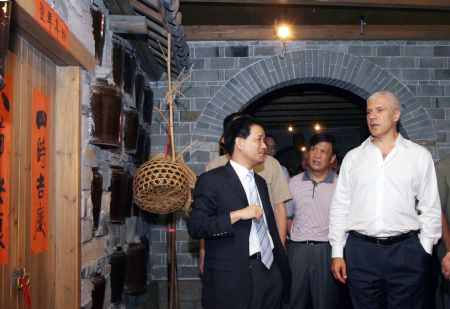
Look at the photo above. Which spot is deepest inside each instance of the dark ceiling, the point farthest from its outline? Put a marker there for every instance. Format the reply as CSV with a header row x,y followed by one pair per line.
x,y
195,13
302,106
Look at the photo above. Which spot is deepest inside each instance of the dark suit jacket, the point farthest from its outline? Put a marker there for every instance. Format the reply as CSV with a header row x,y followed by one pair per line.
x,y
226,278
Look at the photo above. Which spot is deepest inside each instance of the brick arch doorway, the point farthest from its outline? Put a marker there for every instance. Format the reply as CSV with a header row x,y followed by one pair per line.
x,y
291,113
351,73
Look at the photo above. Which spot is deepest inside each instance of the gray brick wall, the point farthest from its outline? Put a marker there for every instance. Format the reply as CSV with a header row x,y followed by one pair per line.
x,y
97,246
228,76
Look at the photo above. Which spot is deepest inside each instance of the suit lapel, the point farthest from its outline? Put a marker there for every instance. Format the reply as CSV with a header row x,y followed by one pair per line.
x,y
234,181
264,201
268,211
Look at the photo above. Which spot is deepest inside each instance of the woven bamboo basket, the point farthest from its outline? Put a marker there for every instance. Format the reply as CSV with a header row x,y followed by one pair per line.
x,y
163,186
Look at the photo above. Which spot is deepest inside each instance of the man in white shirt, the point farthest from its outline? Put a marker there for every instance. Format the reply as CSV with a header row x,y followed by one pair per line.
x,y
386,213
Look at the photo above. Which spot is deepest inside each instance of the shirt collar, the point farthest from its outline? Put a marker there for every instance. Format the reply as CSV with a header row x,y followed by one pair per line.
x,y
328,179
239,169
400,141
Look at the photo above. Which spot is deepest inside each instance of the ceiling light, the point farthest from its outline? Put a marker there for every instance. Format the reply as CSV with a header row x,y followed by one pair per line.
x,y
283,32
303,149
317,127
290,129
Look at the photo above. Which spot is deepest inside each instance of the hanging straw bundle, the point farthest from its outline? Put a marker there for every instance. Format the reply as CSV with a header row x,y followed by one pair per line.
x,y
163,186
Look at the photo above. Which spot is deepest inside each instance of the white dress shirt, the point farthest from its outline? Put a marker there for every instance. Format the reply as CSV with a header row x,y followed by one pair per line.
x,y
386,197
254,245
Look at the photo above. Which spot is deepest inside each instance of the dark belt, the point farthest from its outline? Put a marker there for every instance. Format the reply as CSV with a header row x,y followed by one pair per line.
x,y
384,240
310,242
256,256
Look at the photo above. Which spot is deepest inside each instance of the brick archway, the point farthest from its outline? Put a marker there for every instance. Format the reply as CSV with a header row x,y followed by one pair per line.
x,y
338,69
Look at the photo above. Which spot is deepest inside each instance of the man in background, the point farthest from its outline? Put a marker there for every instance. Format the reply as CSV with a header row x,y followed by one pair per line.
x,y
271,150
303,163
443,180
309,250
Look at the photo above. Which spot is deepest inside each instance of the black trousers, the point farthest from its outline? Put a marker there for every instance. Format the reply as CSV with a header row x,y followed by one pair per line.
x,y
386,276
312,280
267,286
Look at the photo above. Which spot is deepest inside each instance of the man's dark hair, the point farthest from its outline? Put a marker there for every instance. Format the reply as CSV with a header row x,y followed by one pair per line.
x,y
238,127
323,137
228,119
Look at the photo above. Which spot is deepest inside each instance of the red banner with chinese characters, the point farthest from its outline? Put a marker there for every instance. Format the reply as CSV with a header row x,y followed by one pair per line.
x,y
50,21
5,168
40,189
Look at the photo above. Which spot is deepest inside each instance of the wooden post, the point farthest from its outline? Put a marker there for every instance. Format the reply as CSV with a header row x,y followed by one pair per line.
x,y
171,248
128,24
170,95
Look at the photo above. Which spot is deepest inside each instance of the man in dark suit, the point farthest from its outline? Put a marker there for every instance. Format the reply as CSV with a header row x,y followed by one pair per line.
x,y
245,263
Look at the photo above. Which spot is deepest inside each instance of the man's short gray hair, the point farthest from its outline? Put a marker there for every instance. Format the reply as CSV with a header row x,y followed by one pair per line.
x,y
395,103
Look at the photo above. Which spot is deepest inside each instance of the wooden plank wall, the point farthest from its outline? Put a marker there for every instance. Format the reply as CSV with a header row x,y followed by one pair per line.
x,y
40,76
55,274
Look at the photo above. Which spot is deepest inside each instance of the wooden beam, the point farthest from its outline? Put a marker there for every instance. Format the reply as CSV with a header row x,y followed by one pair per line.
x,y
321,32
414,4
75,54
128,24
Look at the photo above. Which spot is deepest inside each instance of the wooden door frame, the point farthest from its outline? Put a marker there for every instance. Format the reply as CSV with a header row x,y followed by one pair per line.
x,y
66,194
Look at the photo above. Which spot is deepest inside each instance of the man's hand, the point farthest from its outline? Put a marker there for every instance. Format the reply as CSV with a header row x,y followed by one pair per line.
x,y
248,213
445,266
339,269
